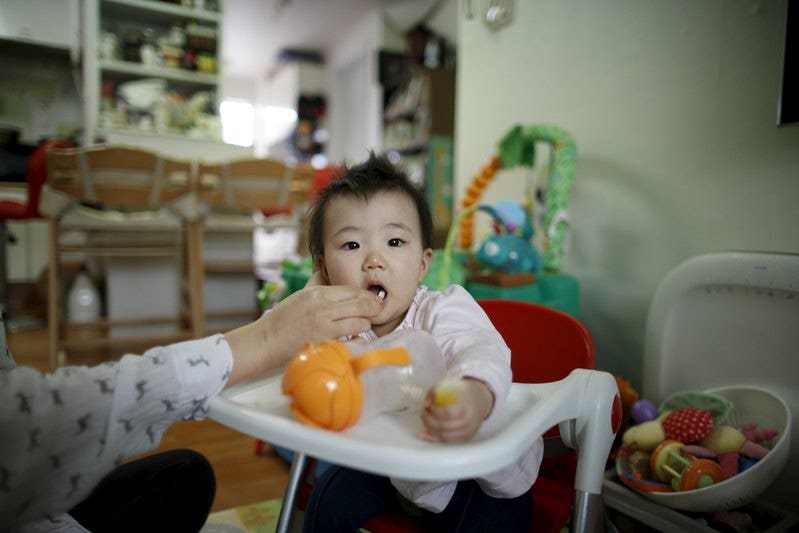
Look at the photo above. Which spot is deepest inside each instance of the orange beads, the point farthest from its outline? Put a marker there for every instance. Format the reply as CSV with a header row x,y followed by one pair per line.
x,y
473,194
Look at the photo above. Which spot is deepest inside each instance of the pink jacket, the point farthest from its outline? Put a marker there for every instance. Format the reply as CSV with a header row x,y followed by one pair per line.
x,y
471,347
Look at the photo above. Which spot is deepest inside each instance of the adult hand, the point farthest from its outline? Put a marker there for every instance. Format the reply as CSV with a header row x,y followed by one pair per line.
x,y
459,420
313,314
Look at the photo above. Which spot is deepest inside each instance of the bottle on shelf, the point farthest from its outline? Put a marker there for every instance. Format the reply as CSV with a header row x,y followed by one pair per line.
x,y
83,300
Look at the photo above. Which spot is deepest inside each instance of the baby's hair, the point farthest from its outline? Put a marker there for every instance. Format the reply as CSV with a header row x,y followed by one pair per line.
x,y
362,180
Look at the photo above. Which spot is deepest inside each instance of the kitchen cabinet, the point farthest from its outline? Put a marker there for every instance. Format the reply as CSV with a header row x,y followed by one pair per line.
x,y
152,67
40,22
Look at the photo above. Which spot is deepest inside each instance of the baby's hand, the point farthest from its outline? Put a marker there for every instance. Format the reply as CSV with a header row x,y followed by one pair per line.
x,y
455,409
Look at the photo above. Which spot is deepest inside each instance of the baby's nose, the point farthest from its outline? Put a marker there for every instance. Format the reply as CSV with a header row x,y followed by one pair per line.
x,y
373,260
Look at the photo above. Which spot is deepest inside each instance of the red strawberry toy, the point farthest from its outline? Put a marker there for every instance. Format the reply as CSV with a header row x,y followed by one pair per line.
x,y
687,424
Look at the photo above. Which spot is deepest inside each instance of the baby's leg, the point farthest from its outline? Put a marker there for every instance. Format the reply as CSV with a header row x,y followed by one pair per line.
x,y
343,499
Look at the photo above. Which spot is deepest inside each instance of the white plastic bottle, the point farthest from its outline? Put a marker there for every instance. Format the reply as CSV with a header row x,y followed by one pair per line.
x,y
83,300
390,388
335,385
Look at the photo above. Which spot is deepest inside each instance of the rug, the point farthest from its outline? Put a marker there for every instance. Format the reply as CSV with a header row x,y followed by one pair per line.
x,y
258,517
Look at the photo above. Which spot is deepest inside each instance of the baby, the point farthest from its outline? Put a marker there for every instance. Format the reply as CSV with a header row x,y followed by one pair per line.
x,y
372,228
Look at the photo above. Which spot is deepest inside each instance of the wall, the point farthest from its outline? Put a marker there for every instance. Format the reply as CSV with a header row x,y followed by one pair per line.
x,y
673,107
355,98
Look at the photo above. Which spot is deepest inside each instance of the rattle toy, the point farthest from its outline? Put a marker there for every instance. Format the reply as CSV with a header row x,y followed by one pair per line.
x,y
685,472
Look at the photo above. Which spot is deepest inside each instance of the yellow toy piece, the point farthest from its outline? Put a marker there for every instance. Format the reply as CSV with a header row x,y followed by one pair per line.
x,y
647,435
724,439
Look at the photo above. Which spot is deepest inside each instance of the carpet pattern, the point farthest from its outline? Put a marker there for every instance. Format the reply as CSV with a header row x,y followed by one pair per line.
x,y
254,518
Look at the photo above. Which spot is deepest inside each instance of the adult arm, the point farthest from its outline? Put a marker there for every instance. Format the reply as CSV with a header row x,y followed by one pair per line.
x,y
61,432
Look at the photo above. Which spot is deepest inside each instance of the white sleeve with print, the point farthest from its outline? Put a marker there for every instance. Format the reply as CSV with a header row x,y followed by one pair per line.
x,y
62,432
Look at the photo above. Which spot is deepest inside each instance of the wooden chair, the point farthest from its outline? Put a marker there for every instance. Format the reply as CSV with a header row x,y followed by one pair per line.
x,y
114,202
236,199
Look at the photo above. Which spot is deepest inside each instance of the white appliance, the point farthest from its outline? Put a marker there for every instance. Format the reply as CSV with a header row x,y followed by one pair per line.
x,y
718,319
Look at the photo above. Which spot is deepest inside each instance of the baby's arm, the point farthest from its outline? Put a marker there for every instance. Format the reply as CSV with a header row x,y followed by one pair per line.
x,y
456,408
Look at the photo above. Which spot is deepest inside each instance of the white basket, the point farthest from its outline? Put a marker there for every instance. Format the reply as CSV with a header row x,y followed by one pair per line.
x,y
749,404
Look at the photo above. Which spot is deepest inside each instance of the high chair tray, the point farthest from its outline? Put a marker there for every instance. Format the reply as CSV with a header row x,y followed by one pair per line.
x,y
389,444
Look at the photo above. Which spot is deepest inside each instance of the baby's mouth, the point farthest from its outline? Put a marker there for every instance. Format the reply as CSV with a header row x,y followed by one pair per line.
x,y
379,291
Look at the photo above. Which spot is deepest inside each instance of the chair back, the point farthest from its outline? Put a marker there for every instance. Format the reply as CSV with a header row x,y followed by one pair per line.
x,y
254,184
117,176
546,344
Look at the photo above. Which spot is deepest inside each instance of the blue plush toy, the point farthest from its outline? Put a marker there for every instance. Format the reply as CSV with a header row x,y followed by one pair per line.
x,y
510,249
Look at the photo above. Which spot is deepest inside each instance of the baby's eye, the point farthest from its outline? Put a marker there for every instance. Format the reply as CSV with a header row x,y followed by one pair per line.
x,y
395,242
351,245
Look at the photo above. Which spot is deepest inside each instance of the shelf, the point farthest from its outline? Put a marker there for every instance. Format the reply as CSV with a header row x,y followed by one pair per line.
x,y
120,251
116,31
229,267
409,149
171,74
159,10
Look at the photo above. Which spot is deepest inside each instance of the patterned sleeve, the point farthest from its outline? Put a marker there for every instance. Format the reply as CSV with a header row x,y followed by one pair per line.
x,y
61,432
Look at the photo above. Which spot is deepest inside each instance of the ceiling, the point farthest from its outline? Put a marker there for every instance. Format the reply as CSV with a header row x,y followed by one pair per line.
x,y
254,31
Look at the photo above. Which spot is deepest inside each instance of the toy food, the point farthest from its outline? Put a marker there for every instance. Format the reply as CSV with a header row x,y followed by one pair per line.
x,y
718,406
680,462
447,390
647,435
688,424
643,410
724,439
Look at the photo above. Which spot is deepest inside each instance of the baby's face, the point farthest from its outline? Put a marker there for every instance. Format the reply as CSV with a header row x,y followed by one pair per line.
x,y
376,245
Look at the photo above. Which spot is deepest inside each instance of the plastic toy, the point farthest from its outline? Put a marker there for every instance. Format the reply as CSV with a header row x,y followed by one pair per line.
x,y
668,464
688,424
723,439
643,411
647,435
688,447
516,148
511,249
334,385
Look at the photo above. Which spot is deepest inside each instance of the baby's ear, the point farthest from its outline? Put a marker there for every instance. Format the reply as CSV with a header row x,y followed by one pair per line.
x,y
427,260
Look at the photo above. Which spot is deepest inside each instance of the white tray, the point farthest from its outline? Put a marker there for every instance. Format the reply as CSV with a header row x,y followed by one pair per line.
x,y
389,444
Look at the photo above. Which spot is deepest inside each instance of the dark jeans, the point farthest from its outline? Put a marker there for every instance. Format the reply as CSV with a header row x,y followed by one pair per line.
x,y
171,491
343,499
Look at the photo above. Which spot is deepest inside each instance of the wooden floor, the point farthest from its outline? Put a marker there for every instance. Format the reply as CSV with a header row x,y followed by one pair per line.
x,y
242,477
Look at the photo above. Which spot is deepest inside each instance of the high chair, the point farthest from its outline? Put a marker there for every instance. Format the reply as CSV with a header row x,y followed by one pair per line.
x,y
242,201
584,405
546,345
114,202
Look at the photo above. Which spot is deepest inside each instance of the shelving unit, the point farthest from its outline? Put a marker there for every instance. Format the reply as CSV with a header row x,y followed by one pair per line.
x,y
129,40
418,126
417,108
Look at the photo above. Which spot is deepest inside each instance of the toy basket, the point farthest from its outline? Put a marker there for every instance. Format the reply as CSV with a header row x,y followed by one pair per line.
x,y
749,404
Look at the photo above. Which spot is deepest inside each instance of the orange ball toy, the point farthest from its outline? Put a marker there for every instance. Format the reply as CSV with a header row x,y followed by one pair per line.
x,y
324,384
